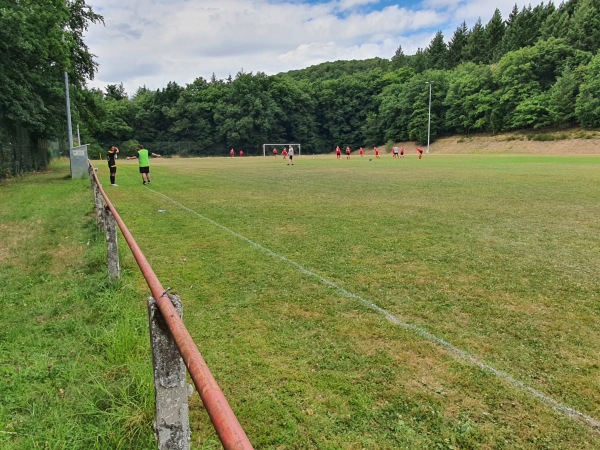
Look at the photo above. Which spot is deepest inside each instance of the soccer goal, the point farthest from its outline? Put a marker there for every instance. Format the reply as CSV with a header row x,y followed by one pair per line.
x,y
268,148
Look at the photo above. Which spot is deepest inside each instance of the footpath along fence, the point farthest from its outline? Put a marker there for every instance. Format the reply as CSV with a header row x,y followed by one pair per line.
x,y
172,346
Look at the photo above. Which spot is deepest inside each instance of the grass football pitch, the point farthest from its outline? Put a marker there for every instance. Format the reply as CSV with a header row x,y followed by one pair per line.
x,y
444,303
449,301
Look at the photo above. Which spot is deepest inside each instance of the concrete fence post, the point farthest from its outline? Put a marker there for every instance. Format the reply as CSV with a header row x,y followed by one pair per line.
x,y
112,249
171,426
98,201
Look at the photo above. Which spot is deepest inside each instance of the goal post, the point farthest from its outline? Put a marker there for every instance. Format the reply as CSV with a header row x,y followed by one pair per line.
x,y
269,148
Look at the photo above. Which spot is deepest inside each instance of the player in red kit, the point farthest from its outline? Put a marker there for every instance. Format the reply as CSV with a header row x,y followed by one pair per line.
x,y
361,152
338,152
376,150
275,152
420,150
284,153
347,152
232,153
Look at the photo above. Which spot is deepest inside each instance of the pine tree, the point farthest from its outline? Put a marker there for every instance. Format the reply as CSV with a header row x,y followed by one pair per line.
x,y
456,46
557,24
418,61
475,50
584,30
399,59
437,53
494,31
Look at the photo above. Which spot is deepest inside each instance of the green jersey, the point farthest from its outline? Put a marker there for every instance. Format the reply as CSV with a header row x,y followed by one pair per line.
x,y
144,158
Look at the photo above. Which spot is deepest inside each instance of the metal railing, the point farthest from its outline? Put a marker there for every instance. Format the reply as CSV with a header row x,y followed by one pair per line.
x,y
226,424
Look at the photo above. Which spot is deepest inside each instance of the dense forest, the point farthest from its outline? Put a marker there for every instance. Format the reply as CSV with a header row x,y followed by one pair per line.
x,y
537,68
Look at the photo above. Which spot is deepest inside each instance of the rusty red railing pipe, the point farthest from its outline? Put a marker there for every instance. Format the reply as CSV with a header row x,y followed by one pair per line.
x,y
225,422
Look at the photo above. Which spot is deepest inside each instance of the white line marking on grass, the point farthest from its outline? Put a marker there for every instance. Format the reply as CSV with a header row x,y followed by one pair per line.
x,y
465,356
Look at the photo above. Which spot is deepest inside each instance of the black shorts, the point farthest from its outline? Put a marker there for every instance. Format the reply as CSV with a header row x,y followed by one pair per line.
x,y
291,157
145,169
113,169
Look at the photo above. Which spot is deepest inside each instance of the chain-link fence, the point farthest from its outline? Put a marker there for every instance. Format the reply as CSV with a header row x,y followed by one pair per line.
x,y
20,152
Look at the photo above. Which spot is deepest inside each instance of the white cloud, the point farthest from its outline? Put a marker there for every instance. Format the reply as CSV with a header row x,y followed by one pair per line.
x,y
152,42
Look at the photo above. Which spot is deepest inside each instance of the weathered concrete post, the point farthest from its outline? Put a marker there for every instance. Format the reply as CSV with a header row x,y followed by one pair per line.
x,y
172,425
97,200
112,249
99,208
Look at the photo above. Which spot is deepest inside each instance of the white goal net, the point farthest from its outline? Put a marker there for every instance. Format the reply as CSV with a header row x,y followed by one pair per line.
x,y
268,149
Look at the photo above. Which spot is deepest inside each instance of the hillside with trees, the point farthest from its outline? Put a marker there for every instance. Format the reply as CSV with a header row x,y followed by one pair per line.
x,y
536,69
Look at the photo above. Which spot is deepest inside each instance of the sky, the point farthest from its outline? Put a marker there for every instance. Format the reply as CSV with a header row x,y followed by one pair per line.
x,y
153,42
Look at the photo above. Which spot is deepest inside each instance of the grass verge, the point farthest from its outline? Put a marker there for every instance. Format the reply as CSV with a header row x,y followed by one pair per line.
x,y
74,357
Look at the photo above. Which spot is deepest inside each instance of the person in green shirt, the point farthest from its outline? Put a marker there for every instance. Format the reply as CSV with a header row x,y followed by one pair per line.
x,y
143,157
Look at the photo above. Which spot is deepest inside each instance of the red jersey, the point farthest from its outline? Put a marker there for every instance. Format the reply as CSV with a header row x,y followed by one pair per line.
x,y
347,150
376,151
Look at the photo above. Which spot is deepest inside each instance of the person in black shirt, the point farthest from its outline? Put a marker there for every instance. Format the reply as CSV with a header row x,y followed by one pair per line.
x,y
112,164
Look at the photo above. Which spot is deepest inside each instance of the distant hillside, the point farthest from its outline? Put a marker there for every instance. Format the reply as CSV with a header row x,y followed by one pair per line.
x,y
338,69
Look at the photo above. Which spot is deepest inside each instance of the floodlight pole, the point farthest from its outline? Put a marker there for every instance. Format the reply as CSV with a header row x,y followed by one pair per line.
x,y
429,116
68,99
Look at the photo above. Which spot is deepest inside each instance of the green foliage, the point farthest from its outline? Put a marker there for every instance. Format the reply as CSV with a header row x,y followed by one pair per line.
x,y
588,100
456,46
584,26
523,77
437,53
40,40
494,31
399,59
471,103
475,49
337,69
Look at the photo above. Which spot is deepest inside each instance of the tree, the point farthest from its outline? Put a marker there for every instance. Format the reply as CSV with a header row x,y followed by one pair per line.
x,y
524,75
494,31
399,59
418,61
456,46
476,48
116,92
562,99
557,24
587,106
584,29
437,52
470,101
38,42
